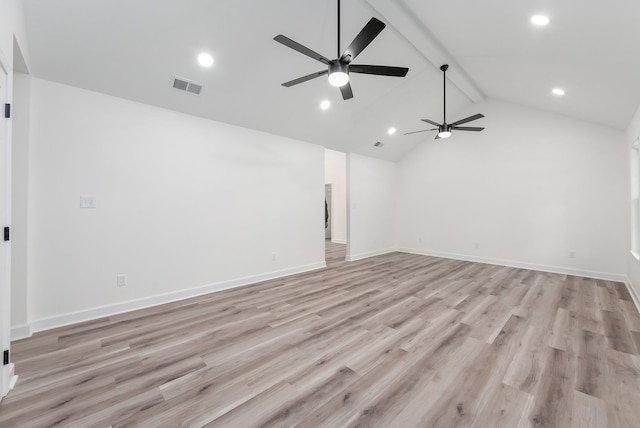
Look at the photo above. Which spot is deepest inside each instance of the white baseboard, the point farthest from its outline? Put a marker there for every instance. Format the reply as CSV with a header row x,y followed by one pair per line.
x,y
9,380
522,265
117,308
354,257
21,331
633,292
12,376
339,241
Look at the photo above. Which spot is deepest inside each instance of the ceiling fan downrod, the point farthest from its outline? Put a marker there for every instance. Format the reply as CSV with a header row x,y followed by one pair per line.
x,y
444,69
338,55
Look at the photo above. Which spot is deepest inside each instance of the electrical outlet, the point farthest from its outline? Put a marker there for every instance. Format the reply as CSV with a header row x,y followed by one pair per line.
x,y
572,254
274,257
477,245
121,280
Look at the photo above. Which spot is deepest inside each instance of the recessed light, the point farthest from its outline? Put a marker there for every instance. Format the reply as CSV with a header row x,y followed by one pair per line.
x,y
558,91
325,104
205,60
391,131
540,20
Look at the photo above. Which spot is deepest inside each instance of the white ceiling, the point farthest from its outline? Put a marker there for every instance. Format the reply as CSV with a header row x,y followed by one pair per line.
x,y
131,49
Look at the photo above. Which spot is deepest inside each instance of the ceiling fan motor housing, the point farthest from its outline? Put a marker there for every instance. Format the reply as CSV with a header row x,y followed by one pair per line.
x,y
338,66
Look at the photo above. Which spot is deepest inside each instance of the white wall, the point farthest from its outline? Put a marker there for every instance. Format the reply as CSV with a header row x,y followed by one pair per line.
x,y
19,203
633,265
12,25
529,189
182,202
335,173
371,200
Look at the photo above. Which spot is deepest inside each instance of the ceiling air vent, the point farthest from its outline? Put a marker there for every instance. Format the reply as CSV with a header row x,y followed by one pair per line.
x,y
378,144
185,85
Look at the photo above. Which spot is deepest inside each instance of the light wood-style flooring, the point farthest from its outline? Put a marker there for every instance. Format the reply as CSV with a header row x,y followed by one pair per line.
x,y
397,340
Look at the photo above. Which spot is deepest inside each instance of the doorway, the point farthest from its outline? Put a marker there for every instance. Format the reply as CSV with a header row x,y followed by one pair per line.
x,y
335,193
328,211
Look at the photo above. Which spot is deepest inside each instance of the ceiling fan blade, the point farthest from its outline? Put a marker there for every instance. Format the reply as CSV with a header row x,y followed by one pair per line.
x,y
305,78
300,48
424,130
362,40
380,70
467,128
468,119
347,93
431,122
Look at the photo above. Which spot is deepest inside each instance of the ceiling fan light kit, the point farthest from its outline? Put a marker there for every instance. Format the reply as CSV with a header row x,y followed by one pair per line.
x,y
445,129
338,69
338,73
444,134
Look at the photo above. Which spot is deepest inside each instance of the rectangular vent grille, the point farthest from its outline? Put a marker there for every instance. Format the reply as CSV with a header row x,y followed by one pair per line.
x,y
185,85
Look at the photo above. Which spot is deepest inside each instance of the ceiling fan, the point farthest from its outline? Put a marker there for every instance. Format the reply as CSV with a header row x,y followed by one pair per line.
x,y
339,69
444,129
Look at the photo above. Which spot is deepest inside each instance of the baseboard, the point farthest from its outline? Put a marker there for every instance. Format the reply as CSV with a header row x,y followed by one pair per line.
x,y
12,376
339,241
633,292
521,265
117,308
10,381
21,331
354,257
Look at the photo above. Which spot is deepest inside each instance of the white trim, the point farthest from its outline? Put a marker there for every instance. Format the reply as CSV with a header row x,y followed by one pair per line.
x,y
522,265
108,310
339,241
354,257
633,292
5,206
20,332
13,377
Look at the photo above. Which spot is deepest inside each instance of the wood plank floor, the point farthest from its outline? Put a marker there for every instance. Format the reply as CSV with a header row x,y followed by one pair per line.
x,y
397,340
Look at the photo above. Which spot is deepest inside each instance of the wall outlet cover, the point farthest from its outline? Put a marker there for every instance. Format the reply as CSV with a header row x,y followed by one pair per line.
x,y
121,280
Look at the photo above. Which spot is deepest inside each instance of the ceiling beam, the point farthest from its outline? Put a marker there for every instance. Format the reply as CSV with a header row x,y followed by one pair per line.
x,y
415,32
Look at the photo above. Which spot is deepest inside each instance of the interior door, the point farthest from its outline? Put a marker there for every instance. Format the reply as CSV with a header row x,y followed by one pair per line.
x,y
5,275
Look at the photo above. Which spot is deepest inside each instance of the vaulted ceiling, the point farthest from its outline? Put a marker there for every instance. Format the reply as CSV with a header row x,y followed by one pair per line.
x,y
131,49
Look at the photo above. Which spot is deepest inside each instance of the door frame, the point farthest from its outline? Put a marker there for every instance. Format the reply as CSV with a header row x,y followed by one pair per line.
x,y
6,370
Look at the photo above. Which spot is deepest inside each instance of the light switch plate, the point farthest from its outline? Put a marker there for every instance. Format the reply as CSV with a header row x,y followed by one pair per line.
x,y
88,202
